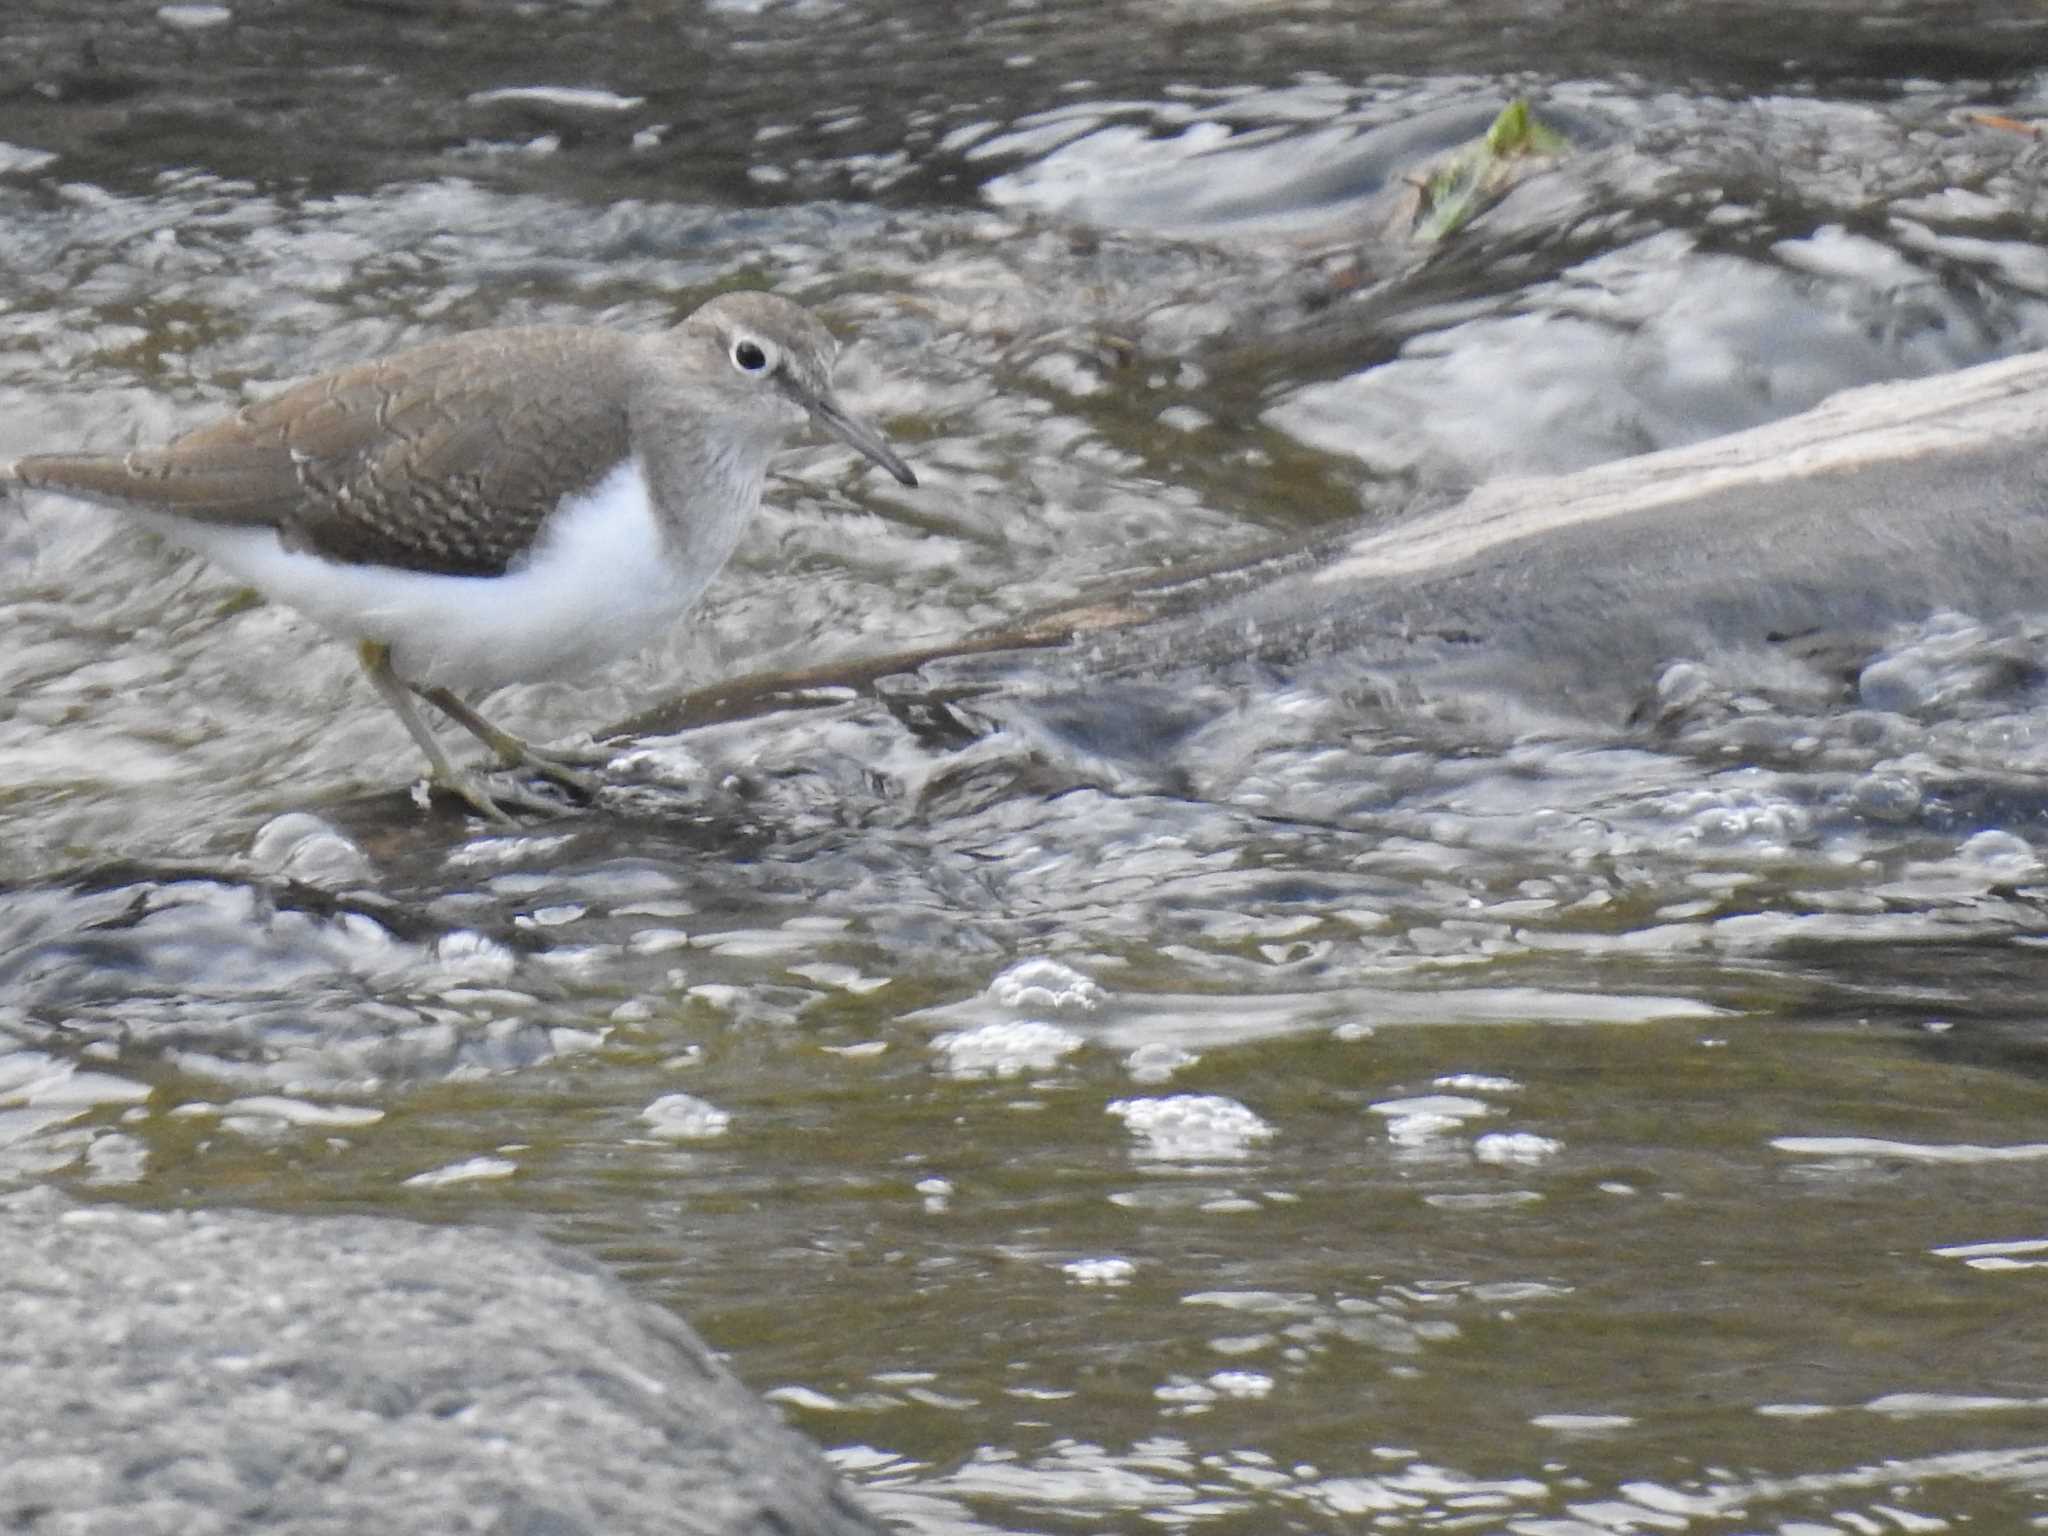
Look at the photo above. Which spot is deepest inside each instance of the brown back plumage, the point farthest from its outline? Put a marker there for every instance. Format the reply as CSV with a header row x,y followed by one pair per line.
x,y
443,459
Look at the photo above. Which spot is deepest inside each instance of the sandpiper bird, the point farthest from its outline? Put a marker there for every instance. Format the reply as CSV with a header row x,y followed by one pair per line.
x,y
501,506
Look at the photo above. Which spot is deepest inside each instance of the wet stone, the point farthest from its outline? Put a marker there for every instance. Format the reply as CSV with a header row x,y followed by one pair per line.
x,y
225,1371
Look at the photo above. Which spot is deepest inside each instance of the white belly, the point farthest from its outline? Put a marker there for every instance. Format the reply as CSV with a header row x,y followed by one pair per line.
x,y
600,584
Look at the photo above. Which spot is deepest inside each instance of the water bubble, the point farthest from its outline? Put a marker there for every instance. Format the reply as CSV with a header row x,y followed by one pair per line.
x,y
1046,984
465,955
1159,1060
1006,1050
299,846
1102,1271
1519,1147
1192,1127
684,1117
2001,854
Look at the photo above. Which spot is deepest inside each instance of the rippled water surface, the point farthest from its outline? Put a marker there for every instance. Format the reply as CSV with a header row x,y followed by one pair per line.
x,y
1228,1099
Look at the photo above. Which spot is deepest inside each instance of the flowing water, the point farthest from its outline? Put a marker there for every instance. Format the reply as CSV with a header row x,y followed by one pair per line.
x,y
1234,1102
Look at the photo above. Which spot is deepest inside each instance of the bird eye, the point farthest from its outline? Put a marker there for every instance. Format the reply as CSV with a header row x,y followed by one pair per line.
x,y
748,357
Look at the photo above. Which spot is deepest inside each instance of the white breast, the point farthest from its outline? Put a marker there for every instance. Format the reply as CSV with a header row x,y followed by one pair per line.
x,y
601,583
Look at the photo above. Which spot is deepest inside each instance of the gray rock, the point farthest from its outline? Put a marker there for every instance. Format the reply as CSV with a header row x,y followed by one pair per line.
x,y
194,1373
1788,551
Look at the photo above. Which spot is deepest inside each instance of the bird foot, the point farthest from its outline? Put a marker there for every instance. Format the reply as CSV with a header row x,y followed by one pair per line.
x,y
559,765
585,752
496,804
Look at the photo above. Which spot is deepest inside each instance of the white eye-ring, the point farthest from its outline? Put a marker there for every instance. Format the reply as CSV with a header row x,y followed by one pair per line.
x,y
750,356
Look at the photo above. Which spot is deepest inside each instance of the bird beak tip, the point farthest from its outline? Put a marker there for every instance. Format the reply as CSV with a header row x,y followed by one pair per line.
x,y
866,439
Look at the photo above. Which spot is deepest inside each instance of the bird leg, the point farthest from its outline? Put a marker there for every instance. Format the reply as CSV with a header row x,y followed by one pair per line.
x,y
513,751
376,659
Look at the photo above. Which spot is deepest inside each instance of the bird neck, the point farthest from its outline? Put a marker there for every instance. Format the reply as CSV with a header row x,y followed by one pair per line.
x,y
704,480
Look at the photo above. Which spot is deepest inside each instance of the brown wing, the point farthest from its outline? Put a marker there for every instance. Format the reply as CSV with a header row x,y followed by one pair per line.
x,y
444,459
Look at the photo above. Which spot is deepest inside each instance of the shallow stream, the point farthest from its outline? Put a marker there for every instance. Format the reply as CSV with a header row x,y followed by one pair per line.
x,y
1289,1112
